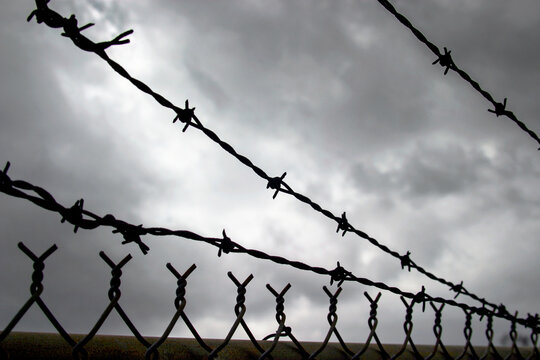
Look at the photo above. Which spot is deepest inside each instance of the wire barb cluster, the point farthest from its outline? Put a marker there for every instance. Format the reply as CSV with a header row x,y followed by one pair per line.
x,y
187,116
264,347
88,220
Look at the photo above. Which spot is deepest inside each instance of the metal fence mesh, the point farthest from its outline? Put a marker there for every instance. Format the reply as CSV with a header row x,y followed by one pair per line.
x,y
265,347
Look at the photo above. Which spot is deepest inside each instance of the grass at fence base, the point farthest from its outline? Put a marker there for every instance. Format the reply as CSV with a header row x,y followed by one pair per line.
x,y
26,345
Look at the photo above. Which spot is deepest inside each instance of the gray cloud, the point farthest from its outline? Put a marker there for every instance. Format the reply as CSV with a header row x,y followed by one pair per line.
x,y
340,96
427,170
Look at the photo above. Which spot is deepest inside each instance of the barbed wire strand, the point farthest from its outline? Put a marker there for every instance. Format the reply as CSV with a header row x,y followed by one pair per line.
x,y
446,61
81,218
54,20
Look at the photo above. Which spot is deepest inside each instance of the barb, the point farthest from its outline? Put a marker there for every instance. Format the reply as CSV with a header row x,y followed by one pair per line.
x,y
90,220
446,61
188,117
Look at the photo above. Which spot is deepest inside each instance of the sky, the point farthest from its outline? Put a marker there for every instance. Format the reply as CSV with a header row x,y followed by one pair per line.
x,y
337,94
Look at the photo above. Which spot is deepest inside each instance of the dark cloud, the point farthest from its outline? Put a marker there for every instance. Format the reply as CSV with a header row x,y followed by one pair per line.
x,y
428,170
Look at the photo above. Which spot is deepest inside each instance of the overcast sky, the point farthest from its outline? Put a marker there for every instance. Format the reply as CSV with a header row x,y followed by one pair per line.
x,y
338,94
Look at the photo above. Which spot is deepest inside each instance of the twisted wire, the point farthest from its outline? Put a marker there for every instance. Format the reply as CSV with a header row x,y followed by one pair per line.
x,y
86,219
79,351
446,61
187,116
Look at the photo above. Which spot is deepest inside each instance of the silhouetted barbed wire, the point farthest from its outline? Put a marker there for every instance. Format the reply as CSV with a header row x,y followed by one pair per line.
x,y
81,218
446,61
214,348
187,114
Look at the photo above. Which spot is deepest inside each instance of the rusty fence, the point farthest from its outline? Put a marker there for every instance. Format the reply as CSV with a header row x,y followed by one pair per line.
x,y
289,346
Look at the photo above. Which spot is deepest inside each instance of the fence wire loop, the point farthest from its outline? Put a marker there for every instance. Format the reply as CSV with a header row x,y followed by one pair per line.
x,y
180,283
437,331
116,272
372,323
280,318
36,288
490,350
282,330
407,327
467,332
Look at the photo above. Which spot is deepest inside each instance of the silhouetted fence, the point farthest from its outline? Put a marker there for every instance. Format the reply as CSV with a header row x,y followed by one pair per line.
x,y
186,116
264,349
270,346
79,217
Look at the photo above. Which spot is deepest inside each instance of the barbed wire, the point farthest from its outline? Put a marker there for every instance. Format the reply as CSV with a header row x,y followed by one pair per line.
x,y
82,218
351,352
185,116
445,60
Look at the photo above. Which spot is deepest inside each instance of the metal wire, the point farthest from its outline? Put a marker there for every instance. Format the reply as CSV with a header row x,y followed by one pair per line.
x,y
180,303
446,61
85,219
187,117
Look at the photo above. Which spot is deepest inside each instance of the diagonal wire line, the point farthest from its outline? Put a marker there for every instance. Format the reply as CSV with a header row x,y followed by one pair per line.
x,y
446,61
82,218
186,115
